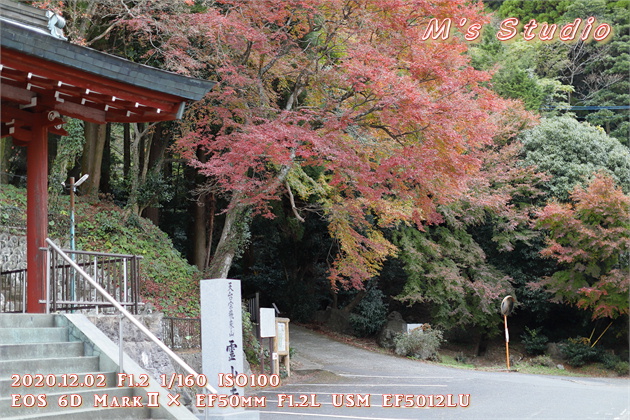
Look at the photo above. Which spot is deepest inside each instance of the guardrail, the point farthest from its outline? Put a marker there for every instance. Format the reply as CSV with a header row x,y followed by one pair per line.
x,y
181,333
118,274
53,248
13,291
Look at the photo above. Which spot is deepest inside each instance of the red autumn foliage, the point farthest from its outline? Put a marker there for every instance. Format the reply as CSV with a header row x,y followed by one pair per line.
x,y
391,124
344,103
590,239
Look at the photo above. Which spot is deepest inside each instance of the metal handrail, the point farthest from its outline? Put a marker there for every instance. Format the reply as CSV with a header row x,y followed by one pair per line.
x,y
106,254
127,315
63,293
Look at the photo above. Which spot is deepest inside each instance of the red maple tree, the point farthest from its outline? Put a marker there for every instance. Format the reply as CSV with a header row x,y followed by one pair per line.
x,y
590,239
346,105
342,103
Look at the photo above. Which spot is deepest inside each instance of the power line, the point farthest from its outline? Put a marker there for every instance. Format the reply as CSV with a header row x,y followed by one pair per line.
x,y
13,175
582,108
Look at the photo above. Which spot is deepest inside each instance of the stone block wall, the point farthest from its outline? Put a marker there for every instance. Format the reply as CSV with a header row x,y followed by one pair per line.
x,y
137,345
12,252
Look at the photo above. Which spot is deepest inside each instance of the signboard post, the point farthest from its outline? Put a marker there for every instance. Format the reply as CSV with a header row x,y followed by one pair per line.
x,y
507,305
268,330
222,343
282,345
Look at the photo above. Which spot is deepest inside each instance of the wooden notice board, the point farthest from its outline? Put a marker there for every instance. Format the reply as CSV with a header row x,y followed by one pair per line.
x,y
281,347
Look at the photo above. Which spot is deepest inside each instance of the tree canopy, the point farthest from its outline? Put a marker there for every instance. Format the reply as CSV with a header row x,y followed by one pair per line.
x,y
572,152
349,142
340,103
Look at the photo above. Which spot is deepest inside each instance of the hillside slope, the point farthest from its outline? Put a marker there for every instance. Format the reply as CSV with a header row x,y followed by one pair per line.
x,y
167,280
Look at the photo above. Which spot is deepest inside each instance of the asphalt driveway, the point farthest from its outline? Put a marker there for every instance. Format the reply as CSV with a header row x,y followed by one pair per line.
x,y
337,381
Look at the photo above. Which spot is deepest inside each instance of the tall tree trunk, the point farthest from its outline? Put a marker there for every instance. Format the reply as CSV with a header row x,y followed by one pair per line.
x,y
233,237
235,234
91,162
159,143
5,152
210,235
135,174
143,157
200,215
126,149
107,162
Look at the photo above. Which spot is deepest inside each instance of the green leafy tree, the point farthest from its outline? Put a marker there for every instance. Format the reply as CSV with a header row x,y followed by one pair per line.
x,y
517,66
571,152
542,10
446,269
607,81
447,265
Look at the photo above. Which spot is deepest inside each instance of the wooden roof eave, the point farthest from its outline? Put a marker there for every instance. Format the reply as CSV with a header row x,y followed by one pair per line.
x,y
70,81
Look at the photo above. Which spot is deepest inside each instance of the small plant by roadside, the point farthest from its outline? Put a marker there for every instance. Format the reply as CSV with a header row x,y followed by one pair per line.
x,y
250,342
622,368
535,342
542,360
421,343
615,363
461,358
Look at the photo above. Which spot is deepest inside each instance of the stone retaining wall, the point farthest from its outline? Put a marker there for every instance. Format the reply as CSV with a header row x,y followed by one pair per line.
x,y
12,252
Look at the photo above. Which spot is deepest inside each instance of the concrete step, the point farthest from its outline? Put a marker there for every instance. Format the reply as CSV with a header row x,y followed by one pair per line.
x,y
105,399
45,350
91,414
26,320
61,382
50,365
33,335
40,354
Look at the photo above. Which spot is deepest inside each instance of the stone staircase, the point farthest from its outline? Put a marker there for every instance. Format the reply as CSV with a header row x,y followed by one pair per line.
x,y
37,350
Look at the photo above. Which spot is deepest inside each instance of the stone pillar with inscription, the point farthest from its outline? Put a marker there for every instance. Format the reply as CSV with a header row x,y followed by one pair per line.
x,y
222,346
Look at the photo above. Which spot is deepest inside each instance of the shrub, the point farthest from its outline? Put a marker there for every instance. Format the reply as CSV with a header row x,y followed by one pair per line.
x,y
615,363
543,360
609,360
578,352
535,342
251,346
370,314
622,368
461,358
420,343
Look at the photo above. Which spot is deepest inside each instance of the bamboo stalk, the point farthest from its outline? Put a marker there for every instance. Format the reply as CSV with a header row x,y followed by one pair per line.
x,y
602,334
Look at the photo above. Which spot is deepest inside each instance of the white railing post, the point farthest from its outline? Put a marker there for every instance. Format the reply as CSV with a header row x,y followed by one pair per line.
x,y
24,295
48,280
120,343
126,300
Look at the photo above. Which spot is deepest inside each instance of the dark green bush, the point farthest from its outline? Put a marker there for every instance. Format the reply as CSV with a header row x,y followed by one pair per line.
x,y
622,368
535,342
370,314
615,363
609,360
578,352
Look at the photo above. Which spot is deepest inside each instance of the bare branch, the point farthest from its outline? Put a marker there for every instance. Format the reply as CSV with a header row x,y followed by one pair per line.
x,y
292,201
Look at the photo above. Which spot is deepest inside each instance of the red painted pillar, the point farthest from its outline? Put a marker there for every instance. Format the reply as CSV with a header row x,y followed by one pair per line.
x,y
36,216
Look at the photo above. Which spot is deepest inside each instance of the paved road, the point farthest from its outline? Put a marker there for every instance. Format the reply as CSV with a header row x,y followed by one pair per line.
x,y
379,386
